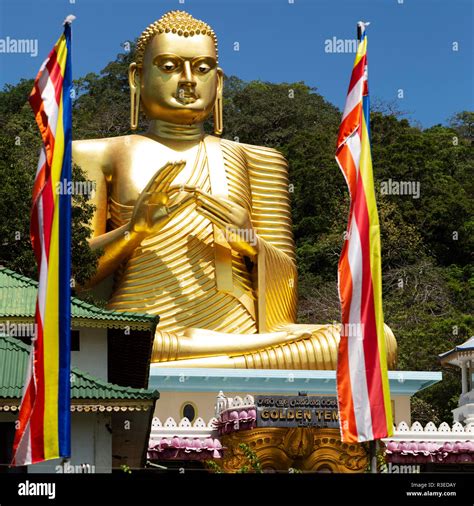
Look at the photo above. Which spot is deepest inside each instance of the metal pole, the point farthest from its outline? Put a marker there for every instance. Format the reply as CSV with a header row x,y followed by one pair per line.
x,y
463,377
373,445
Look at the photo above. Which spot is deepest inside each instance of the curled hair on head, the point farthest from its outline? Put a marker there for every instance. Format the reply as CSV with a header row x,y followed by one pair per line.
x,y
178,22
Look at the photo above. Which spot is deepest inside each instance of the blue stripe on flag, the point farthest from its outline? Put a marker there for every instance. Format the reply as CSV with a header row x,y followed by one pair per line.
x,y
64,390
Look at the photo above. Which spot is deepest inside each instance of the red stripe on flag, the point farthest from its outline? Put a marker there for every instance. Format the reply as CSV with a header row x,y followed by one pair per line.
x,y
34,234
48,214
25,412
357,73
55,74
367,317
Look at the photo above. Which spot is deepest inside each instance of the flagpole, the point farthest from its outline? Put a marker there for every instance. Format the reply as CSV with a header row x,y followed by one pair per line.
x,y
373,447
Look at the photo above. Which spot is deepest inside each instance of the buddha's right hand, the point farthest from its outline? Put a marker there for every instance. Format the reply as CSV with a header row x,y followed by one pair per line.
x,y
157,203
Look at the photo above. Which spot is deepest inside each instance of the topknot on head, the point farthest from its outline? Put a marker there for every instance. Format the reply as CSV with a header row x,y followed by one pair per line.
x,y
179,22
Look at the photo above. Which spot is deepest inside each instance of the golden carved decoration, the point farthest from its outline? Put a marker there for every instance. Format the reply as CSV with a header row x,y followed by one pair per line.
x,y
304,449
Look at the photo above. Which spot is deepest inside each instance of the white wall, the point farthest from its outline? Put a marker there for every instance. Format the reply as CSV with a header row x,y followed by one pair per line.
x,y
402,409
92,354
169,404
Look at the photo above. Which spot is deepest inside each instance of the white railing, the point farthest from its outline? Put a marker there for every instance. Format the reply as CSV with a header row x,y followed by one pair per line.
x,y
184,428
445,432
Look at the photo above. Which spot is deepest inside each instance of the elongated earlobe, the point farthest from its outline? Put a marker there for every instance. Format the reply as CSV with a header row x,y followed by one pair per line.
x,y
219,107
134,96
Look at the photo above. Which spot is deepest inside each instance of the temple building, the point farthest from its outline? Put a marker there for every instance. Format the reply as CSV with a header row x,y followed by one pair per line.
x,y
462,356
447,447
110,403
195,421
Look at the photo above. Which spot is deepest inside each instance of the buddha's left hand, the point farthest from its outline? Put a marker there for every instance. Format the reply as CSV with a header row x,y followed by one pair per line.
x,y
233,219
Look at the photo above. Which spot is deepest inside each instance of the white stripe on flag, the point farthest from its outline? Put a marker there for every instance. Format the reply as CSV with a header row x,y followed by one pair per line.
x,y
23,451
41,161
353,143
357,372
48,96
354,97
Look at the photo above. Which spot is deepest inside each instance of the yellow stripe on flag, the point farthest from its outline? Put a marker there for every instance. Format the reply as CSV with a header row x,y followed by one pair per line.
x,y
366,173
51,319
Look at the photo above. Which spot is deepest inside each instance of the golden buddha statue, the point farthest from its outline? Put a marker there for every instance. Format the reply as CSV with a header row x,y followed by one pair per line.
x,y
195,228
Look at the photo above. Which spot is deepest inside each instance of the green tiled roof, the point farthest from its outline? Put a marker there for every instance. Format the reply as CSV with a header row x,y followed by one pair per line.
x,y
13,362
18,300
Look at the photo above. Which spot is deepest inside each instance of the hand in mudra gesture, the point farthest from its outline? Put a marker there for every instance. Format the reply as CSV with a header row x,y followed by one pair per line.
x,y
233,219
159,202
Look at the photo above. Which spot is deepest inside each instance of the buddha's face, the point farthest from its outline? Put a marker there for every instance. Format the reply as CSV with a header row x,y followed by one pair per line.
x,y
179,78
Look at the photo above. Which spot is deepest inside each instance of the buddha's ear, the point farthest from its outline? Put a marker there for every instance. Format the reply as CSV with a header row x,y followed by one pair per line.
x,y
134,76
220,80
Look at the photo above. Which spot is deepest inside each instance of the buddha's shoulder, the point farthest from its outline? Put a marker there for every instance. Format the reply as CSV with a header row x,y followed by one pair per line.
x,y
254,155
107,143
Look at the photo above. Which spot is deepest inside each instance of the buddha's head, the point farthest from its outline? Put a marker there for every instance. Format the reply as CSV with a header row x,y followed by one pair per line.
x,y
175,76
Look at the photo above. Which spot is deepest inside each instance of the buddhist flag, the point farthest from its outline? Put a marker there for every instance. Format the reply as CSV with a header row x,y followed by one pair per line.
x,y
362,379
44,425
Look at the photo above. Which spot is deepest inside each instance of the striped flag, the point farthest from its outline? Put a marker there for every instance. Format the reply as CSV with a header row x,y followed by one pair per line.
x,y
362,380
44,428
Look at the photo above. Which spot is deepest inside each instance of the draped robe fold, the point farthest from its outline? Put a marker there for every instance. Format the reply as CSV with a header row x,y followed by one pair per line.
x,y
189,276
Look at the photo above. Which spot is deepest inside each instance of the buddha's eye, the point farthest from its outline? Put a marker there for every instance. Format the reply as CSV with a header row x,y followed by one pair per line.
x,y
168,66
202,68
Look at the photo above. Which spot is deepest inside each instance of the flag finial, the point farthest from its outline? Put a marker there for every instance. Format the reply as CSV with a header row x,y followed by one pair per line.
x,y
361,26
69,19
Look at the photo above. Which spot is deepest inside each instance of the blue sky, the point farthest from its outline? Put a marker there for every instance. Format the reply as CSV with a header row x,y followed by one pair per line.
x,y
410,43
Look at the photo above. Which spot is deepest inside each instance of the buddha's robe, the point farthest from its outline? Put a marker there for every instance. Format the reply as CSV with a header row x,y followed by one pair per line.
x,y
189,276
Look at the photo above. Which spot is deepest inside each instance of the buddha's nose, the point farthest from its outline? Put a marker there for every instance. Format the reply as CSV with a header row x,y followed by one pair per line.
x,y
187,76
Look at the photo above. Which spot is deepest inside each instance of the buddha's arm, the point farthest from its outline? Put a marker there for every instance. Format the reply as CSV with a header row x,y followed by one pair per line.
x,y
156,204
92,157
153,208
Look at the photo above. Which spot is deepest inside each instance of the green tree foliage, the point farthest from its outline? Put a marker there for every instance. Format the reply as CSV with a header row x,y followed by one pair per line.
x,y
251,463
426,241
19,150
